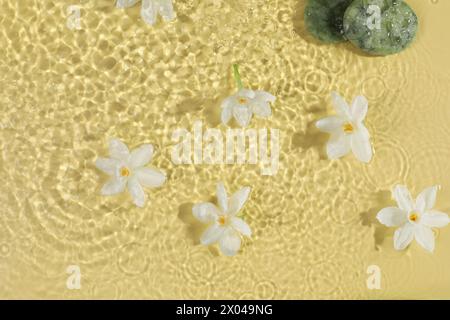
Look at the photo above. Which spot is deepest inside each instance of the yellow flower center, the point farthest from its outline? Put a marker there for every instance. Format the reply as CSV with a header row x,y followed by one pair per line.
x,y
242,100
124,172
347,127
413,217
222,220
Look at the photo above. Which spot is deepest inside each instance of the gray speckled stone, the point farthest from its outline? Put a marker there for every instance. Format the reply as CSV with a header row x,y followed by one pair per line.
x,y
324,19
398,26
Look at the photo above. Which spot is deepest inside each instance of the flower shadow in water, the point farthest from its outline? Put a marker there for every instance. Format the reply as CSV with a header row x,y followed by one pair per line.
x,y
212,112
207,110
383,199
312,138
195,228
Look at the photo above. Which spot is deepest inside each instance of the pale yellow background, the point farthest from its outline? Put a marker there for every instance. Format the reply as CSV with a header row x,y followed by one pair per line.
x,y
64,93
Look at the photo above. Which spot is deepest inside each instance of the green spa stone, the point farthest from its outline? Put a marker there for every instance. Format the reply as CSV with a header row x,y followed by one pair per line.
x,y
324,19
396,30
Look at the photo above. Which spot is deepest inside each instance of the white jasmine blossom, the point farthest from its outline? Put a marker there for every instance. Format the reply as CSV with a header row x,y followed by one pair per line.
x,y
151,8
127,170
225,227
347,129
246,103
414,219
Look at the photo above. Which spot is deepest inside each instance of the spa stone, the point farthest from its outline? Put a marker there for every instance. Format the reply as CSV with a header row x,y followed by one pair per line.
x,y
380,27
324,19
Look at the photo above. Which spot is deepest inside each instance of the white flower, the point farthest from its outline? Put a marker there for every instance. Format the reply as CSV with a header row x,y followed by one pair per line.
x,y
127,170
244,104
347,129
225,226
414,218
150,9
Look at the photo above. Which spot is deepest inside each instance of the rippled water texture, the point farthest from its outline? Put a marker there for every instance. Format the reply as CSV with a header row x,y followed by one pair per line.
x,y
65,92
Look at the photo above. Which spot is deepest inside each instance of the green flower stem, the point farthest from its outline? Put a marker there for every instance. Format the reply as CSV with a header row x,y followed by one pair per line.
x,y
237,76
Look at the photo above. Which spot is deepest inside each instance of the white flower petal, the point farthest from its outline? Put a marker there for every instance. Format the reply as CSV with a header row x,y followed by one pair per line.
x,y
392,217
237,200
435,219
264,96
338,145
107,165
331,124
150,177
230,242
426,199
261,108
136,191
403,236
141,156
246,93
362,130
361,147
205,212
166,10
226,115
212,234
149,11
114,186
118,150
228,102
425,237
403,197
222,197
241,226
242,114
341,107
359,108
126,3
